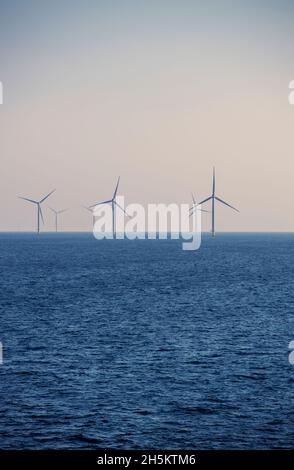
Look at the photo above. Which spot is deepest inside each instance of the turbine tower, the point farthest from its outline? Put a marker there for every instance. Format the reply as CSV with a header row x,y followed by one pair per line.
x,y
39,209
113,207
214,198
56,216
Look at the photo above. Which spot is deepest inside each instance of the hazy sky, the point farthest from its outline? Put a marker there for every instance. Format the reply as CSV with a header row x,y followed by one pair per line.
x,y
157,91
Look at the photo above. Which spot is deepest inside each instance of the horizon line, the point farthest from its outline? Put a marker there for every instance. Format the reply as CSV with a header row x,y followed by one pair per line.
x,y
203,232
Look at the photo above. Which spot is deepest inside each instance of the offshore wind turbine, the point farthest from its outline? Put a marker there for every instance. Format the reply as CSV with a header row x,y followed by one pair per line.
x,y
214,198
195,206
113,203
56,216
39,209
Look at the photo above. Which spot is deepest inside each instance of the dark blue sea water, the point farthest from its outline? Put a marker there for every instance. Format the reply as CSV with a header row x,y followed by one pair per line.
x,y
138,344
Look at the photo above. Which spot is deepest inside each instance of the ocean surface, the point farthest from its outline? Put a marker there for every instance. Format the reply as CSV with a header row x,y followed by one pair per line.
x,y
139,344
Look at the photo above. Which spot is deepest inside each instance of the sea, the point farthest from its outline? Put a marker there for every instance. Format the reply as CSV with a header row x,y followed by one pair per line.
x,y
137,344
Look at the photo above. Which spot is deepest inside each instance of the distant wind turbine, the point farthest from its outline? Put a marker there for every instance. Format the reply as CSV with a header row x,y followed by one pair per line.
x,y
113,206
56,216
39,209
214,198
195,206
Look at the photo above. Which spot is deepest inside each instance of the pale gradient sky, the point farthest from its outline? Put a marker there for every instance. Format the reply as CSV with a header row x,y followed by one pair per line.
x,y
155,91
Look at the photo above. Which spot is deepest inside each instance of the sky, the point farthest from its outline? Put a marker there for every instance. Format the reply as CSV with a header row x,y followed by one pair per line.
x,y
157,92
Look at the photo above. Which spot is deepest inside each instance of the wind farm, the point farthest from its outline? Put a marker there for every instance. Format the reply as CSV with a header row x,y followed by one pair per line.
x,y
196,206
147,308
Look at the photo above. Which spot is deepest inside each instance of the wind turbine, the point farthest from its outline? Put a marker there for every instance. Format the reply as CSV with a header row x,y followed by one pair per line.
x,y
39,210
194,206
113,206
214,198
56,216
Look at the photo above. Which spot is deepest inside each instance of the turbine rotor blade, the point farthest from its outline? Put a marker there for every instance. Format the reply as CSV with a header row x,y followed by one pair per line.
x,y
61,212
192,212
193,199
26,199
205,200
121,209
99,203
116,188
226,204
42,200
196,208
213,181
